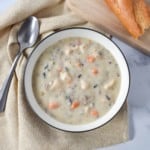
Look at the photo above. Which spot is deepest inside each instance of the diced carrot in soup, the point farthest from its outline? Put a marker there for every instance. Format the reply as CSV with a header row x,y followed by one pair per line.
x,y
91,59
75,104
94,113
53,105
95,71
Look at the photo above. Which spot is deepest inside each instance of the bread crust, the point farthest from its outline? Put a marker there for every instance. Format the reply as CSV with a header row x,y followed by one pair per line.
x,y
142,14
124,10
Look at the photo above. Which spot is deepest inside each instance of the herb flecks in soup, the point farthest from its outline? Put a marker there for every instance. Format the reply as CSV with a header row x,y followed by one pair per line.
x,y
76,80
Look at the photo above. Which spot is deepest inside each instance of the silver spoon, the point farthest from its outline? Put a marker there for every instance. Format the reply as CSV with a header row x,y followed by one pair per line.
x,y
27,36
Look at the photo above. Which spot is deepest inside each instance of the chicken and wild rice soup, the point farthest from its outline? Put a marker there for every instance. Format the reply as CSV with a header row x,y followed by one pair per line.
x,y
76,80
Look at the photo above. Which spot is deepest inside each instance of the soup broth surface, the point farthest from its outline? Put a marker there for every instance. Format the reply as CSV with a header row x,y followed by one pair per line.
x,y
76,80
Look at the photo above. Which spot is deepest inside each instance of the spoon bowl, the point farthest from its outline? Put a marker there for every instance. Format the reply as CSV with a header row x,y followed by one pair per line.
x,y
28,32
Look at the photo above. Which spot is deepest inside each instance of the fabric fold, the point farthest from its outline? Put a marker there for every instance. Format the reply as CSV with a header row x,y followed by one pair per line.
x,y
22,9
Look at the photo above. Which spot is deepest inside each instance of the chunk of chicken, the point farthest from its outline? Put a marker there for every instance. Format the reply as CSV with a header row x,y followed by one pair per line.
x,y
109,84
55,84
84,84
64,76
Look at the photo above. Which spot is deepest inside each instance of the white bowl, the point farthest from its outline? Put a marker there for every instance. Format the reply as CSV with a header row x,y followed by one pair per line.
x,y
85,33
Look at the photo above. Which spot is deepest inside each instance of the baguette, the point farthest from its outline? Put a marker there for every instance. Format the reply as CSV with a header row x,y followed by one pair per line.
x,y
123,9
142,14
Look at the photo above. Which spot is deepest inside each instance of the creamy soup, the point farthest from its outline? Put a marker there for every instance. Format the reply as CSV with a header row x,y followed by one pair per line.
x,y
76,80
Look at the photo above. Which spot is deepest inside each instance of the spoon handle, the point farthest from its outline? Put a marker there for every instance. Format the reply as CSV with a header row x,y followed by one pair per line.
x,y
5,87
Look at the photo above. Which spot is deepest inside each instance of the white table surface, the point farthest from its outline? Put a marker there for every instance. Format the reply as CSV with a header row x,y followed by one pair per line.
x,y
138,99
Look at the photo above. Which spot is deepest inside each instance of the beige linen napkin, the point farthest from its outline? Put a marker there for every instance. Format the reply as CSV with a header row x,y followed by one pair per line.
x,y
20,128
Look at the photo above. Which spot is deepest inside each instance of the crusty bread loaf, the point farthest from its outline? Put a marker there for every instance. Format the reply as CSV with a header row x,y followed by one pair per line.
x,y
133,14
123,9
142,14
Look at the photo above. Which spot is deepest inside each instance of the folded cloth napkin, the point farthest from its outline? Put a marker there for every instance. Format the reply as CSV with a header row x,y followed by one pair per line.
x,y
20,128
